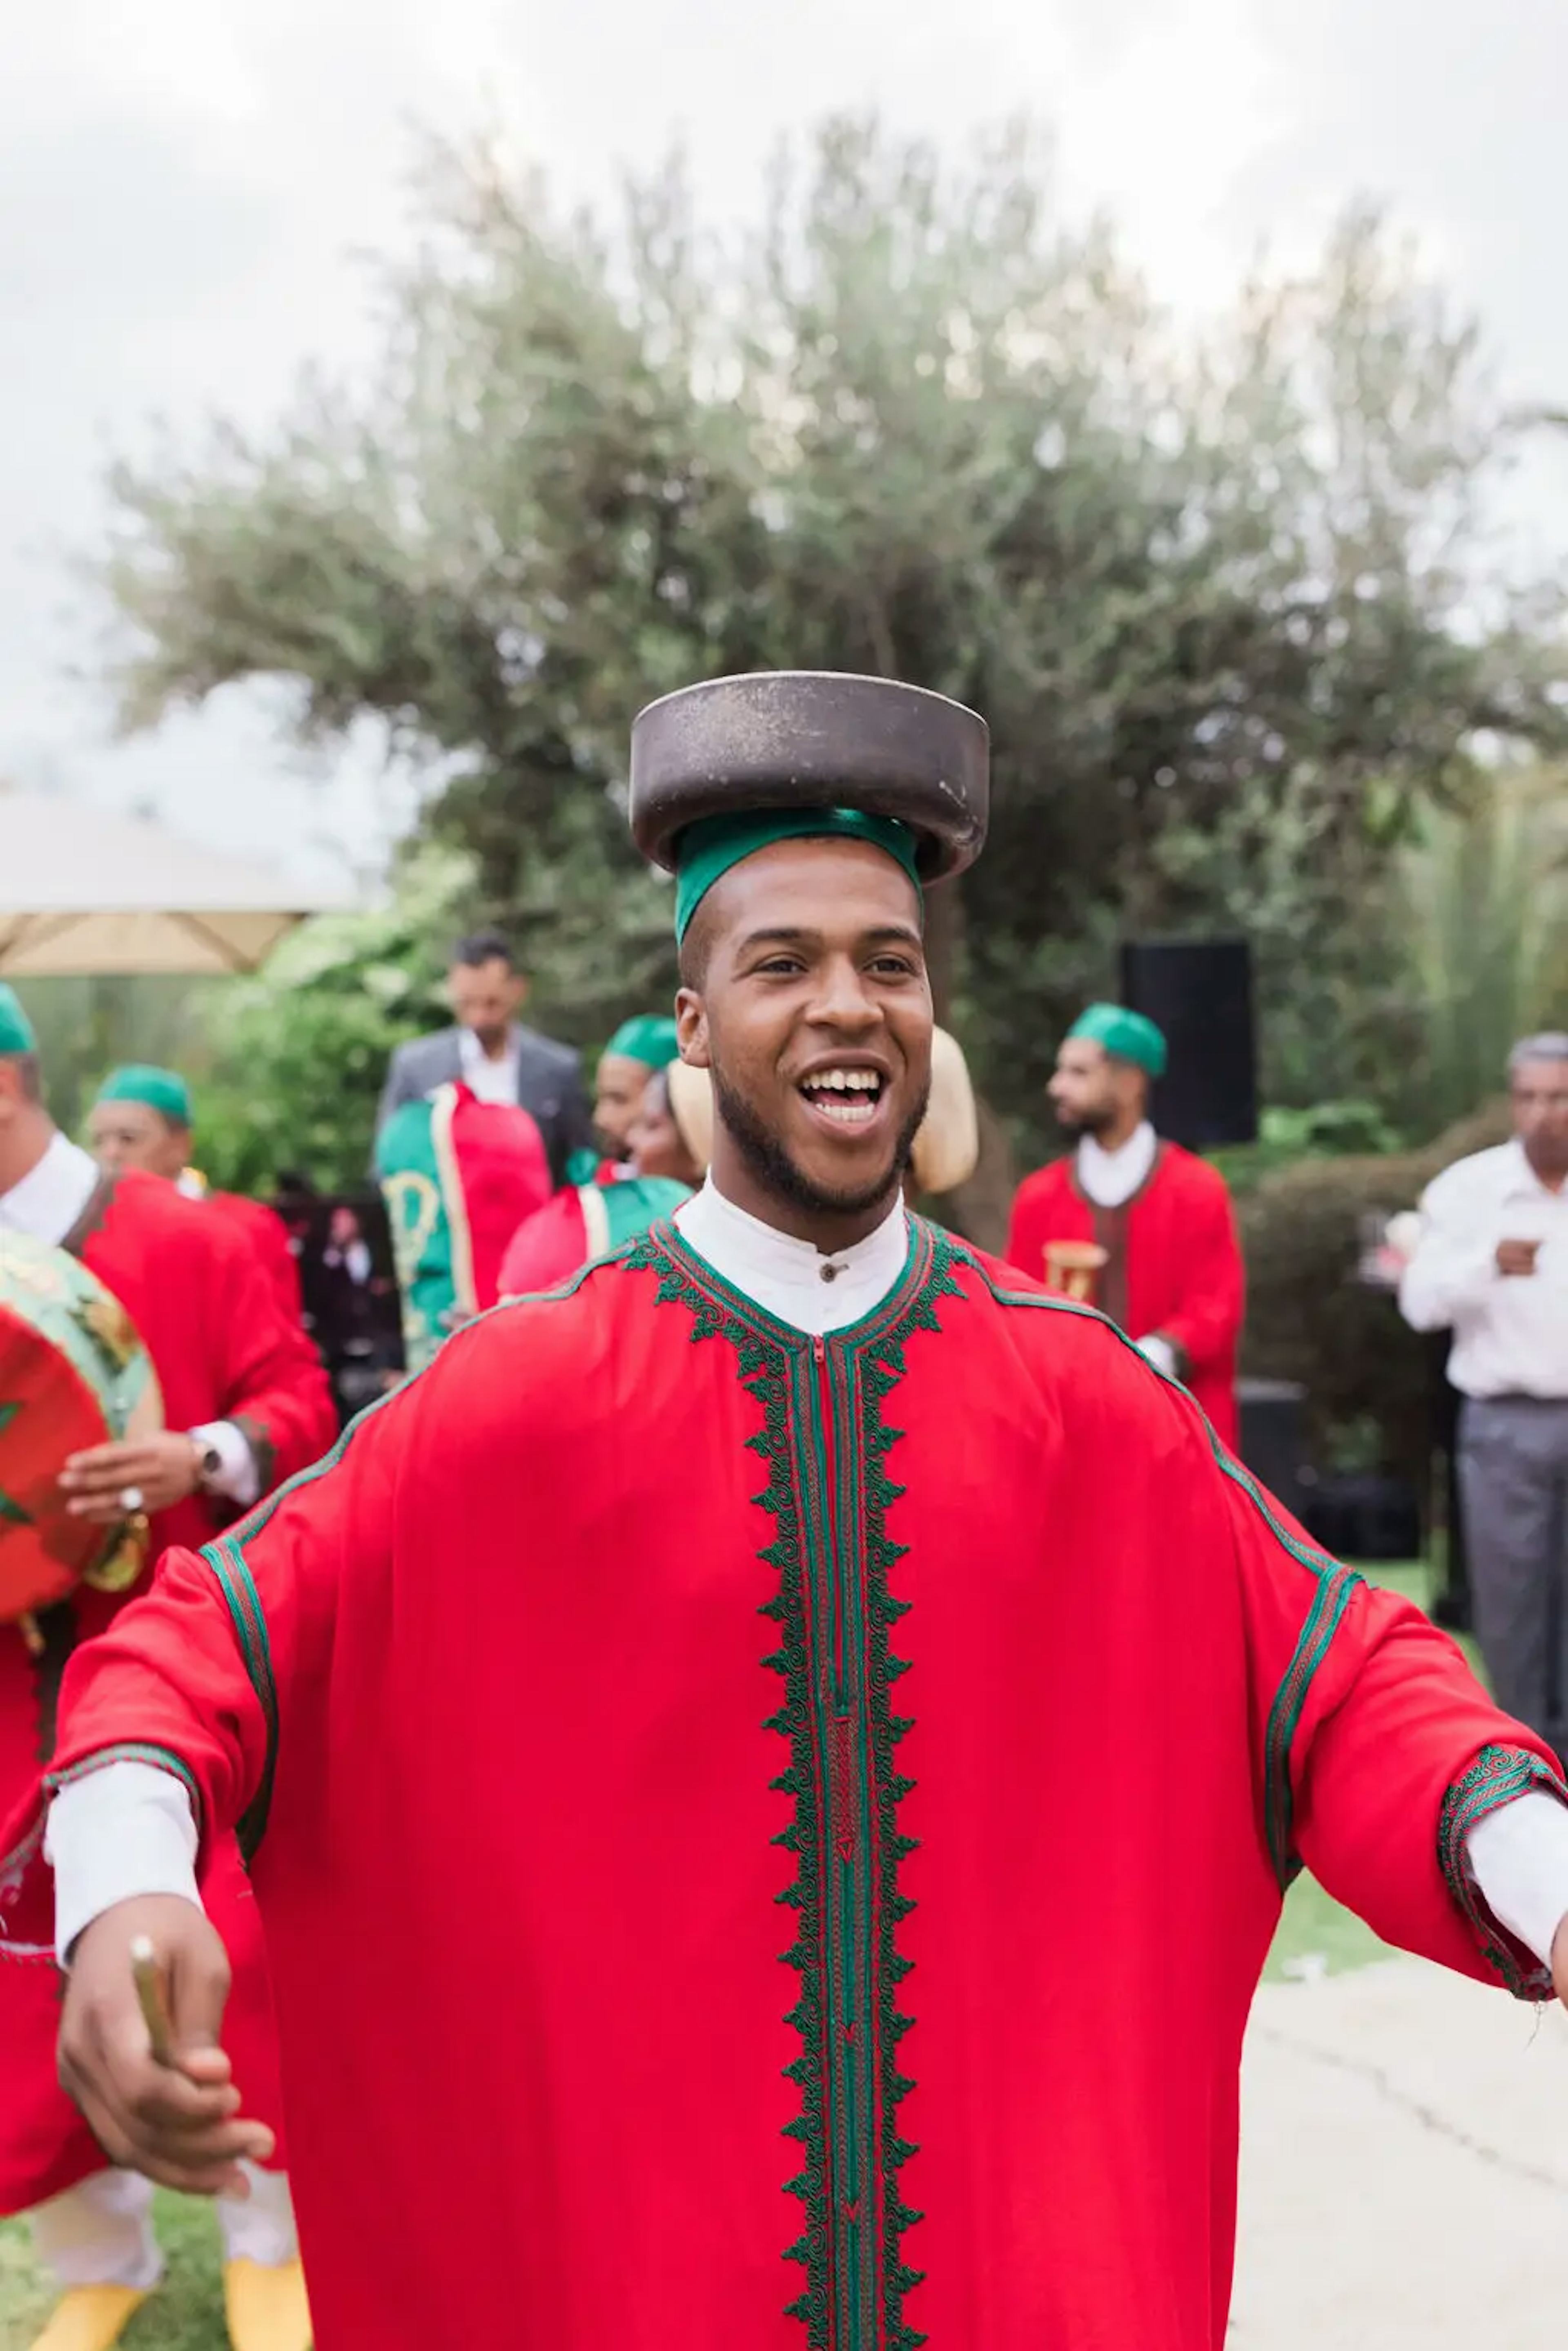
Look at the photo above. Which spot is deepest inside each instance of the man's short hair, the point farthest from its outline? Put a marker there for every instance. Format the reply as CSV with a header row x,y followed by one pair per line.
x,y
483,946
30,1070
696,950
1551,1045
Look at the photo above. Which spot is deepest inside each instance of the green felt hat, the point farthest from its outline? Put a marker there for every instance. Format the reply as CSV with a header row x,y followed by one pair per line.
x,y
163,1091
16,1029
1125,1036
706,851
648,1038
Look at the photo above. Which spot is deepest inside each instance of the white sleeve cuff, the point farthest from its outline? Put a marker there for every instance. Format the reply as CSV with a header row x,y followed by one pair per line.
x,y
1519,1858
124,1831
237,1478
1161,1353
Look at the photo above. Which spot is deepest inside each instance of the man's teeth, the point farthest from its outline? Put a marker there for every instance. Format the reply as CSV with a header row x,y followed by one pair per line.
x,y
858,1091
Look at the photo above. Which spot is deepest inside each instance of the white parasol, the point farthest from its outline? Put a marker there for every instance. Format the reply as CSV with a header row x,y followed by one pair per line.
x,y
84,892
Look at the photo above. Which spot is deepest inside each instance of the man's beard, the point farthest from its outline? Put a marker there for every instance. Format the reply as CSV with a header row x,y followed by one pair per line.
x,y
1076,1124
776,1172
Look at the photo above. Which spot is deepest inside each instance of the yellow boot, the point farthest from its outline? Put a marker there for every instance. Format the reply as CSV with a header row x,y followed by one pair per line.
x,y
90,2318
265,2307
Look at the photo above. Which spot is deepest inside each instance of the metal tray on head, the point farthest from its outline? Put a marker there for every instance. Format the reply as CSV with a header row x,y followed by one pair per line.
x,y
813,738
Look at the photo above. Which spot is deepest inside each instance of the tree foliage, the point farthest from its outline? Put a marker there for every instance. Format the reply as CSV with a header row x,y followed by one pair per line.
x,y
1223,598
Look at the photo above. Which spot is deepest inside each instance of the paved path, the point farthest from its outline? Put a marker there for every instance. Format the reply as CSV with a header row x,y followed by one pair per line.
x,y
1404,2168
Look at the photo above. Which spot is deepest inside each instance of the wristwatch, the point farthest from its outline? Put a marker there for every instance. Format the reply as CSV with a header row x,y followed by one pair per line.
x,y
209,1463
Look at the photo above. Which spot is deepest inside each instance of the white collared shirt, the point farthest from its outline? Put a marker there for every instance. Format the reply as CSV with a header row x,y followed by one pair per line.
x,y
1110,1178
493,1082
1510,1331
50,1199
792,1279
47,1204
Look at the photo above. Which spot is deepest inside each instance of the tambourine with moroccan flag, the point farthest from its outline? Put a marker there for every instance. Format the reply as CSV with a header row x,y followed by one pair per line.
x,y
73,1374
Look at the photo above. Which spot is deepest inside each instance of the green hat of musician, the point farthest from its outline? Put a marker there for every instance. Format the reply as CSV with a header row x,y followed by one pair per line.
x,y
640,1046
1125,1035
142,1118
15,1029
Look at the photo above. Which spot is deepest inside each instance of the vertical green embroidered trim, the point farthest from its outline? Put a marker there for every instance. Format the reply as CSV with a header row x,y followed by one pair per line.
x,y
825,1438
884,1367
1337,1584
1329,1604
1498,1775
228,1564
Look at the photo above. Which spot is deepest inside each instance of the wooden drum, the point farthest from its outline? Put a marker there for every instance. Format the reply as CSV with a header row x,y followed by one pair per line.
x,y
73,1374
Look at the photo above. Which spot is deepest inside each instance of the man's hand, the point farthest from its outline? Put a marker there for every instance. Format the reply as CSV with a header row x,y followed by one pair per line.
x,y
162,1470
1517,1257
177,2123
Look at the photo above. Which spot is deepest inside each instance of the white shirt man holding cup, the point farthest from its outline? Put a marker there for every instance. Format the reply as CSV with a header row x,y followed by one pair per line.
x,y
1492,1264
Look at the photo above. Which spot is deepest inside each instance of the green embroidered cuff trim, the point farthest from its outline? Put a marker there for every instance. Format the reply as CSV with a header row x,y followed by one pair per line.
x,y
227,1562
1497,1777
132,1751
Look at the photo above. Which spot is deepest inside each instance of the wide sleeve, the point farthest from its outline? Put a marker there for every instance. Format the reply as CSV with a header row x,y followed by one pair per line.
x,y
1379,1751
1207,1321
270,1379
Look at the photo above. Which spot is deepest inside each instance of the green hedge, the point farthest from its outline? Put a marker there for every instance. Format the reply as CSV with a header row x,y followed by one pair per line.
x,y
1309,1319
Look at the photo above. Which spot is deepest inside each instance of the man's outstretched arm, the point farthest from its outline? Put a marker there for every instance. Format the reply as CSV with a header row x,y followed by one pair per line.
x,y
170,1728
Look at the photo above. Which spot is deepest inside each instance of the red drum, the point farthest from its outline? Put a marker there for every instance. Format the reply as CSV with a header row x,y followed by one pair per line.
x,y
73,1374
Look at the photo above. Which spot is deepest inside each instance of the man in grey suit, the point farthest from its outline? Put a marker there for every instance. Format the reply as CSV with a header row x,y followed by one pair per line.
x,y
489,1050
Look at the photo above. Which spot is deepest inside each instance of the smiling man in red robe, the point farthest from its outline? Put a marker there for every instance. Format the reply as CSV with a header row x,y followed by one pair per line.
x,y
770,1771
1171,1272
245,1403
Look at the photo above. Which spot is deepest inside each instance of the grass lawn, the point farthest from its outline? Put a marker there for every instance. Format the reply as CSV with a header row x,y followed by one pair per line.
x,y
185,2315
187,2312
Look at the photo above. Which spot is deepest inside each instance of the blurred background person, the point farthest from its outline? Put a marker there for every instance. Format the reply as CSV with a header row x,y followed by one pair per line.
x,y
1171,1272
143,1118
1491,1264
640,1048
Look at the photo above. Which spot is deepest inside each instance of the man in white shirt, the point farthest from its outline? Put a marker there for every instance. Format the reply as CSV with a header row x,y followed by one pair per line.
x,y
1492,1264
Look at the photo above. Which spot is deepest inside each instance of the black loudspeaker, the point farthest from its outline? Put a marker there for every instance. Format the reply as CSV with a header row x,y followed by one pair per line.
x,y
1200,992
1273,1436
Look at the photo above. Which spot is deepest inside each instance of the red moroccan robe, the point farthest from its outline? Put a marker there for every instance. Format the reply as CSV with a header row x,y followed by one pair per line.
x,y
1175,1267
769,1842
208,1313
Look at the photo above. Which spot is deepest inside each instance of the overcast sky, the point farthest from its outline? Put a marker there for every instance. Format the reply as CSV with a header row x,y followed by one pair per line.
x,y
187,188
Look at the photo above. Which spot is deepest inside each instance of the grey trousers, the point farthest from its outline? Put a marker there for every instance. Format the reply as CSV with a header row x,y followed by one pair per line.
x,y
1513,1480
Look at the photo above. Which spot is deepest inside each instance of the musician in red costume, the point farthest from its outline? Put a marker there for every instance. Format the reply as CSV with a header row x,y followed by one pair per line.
x,y
770,1771
245,1403
143,1118
1173,1275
